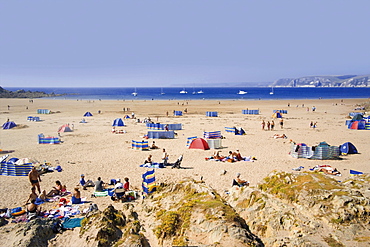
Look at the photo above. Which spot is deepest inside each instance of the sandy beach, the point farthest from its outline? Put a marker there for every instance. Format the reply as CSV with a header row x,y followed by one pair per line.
x,y
92,149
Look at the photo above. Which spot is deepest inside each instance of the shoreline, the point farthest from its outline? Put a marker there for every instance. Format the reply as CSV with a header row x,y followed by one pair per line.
x,y
92,149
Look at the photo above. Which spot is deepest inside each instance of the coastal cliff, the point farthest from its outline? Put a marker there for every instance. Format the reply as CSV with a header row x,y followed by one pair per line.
x,y
325,81
301,209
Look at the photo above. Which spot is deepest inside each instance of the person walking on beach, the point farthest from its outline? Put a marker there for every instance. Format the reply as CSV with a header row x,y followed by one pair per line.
x,y
272,125
281,124
35,179
311,124
263,125
268,125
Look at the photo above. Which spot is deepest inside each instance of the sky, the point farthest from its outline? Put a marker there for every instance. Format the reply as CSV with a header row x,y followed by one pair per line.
x,y
146,43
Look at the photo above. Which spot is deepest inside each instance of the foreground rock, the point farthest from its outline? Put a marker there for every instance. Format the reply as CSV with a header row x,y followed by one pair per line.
x,y
305,209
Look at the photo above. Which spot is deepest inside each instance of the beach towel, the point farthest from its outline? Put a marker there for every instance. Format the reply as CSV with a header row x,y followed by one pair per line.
x,y
353,172
101,193
69,223
153,165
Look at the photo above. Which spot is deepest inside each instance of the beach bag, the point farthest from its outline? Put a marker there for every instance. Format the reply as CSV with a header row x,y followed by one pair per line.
x,y
57,227
58,168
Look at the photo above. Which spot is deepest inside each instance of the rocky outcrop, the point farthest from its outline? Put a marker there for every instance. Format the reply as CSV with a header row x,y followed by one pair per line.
x,y
325,81
301,209
308,209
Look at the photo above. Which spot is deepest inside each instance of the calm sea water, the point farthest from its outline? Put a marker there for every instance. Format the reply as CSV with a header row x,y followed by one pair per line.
x,y
212,93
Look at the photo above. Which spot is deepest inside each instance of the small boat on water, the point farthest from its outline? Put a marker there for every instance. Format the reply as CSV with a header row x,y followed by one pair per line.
x,y
200,91
162,93
134,93
272,90
183,91
242,92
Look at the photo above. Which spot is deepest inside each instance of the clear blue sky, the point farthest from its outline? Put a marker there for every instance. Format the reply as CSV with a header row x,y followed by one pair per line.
x,y
179,42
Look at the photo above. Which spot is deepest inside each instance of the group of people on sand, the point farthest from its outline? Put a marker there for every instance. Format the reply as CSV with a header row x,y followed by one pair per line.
x,y
231,157
269,125
164,157
35,199
58,190
120,189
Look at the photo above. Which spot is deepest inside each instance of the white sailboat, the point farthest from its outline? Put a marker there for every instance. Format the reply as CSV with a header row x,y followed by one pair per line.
x,y
200,91
134,93
242,92
162,93
183,91
272,90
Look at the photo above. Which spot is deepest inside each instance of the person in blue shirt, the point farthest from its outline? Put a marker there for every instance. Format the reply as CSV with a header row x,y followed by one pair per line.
x,y
84,183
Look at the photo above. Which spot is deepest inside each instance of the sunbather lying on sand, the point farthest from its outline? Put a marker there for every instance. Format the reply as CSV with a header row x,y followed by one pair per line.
x,y
330,171
275,136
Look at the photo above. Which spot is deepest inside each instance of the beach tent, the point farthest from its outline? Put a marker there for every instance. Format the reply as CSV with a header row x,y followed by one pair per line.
x,y
348,148
357,117
149,185
8,125
277,114
88,114
357,125
118,122
65,128
199,143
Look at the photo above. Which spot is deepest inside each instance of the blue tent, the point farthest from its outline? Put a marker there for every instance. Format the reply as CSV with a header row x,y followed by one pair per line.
x,y
118,122
357,125
348,148
88,114
9,125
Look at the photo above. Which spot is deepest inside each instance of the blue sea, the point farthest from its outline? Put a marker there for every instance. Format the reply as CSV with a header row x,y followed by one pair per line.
x,y
209,93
